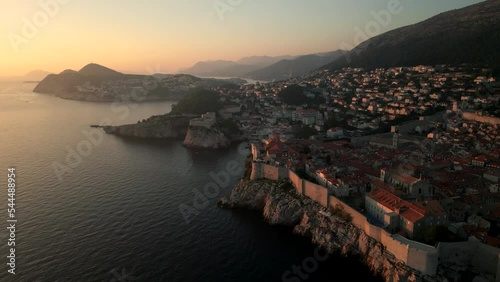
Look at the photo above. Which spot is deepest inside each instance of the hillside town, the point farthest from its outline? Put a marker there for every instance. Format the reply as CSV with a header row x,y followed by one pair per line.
x,y
415,149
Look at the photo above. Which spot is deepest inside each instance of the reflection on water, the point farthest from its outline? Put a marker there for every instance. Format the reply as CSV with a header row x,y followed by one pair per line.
x,y
118,210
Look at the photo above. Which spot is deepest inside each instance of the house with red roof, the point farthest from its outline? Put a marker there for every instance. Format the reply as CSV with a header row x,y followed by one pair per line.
x,y
480,161
416,187
397,215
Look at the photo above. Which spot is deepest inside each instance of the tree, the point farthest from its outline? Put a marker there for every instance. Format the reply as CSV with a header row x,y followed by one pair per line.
x,y
199,101
332,122
328,160
293,95
304,132
435,233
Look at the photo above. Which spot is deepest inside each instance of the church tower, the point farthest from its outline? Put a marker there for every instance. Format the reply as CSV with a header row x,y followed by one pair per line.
x,y
395,140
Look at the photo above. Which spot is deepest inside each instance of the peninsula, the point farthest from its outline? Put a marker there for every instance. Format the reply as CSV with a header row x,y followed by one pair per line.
x,y
200,118
97,83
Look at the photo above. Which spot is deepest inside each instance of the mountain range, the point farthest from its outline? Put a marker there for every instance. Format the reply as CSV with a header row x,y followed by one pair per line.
x,y
35,75
221,68
264,67
302,65
468,35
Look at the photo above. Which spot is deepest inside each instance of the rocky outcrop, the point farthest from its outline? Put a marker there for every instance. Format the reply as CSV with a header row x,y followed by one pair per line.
x,y
154,127
204,138
281,205
171,126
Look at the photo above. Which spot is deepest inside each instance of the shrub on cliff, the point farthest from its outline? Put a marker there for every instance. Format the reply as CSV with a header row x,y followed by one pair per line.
x,y
229,127
340,212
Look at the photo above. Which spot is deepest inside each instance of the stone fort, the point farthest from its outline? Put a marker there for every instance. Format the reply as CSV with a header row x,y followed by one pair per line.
x,y
421,257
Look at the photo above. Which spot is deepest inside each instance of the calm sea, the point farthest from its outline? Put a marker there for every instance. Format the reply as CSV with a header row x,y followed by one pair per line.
x,y
113,215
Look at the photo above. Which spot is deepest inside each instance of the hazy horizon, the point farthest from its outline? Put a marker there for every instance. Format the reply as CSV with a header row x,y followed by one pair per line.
x,y
167,36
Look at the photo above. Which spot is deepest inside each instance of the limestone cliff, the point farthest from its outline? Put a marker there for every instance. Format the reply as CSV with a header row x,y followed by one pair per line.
x,y
154,127
204,138
281,205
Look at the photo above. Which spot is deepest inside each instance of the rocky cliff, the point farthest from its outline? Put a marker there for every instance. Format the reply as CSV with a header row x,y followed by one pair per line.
x,y
154,127
204,138
281,205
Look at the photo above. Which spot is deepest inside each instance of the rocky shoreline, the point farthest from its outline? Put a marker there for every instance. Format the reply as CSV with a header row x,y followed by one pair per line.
x,y
198,137
154,127
177,127
281,205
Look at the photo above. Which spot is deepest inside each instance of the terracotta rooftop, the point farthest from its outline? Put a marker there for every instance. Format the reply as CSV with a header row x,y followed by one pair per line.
x,y
406,209
481,158
432,208
379,184
405,178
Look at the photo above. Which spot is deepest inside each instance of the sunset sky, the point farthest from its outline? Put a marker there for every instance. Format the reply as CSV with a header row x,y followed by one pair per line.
x,y
167,35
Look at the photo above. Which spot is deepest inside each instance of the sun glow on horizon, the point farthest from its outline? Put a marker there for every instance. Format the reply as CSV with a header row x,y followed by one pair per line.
x,y
167,36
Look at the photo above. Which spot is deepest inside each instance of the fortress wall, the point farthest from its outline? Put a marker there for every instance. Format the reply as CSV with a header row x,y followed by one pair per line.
x,y
270,172
485,259
296,181
424,259
317,193
358,219
256,171
456,252
418,256
475,117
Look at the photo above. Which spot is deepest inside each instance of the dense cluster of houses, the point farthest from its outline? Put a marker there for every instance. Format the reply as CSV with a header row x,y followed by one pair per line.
x,y
439,166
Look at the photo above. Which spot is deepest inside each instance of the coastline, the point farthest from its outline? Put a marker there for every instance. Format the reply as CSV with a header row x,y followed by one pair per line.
x,y
307,218
334,230
113,99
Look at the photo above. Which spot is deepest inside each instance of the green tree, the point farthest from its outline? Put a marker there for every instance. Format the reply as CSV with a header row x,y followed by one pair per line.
x,y
332,122
198,101
435,233
304,132
293,95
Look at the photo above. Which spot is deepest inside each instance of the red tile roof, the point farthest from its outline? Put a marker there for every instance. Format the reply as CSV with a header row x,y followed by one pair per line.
x,y
397,205
411,211
404,178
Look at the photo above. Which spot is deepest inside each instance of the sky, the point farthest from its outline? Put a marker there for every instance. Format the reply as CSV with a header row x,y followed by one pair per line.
x,y
165,36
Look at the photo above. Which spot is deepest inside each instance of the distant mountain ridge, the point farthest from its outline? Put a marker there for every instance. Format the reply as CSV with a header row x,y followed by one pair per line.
x,y
264,67
263,61
35,75
218,68
468,35
224,68
302,65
